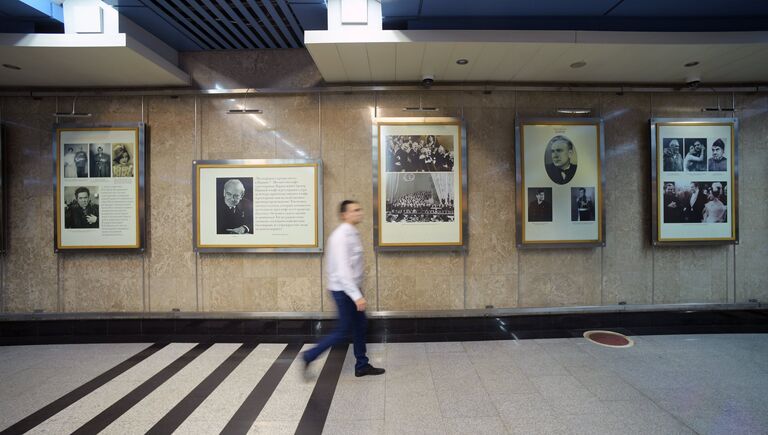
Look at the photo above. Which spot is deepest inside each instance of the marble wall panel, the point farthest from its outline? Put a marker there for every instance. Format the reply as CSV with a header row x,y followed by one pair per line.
x,y
95,283
30,266
680,272
627,257
286,68
170,273
558,277
750,277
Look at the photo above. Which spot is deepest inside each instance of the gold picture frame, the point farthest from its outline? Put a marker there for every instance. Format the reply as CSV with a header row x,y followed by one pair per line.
x,y
560,182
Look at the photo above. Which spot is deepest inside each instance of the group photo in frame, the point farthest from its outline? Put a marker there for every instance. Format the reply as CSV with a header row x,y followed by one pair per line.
x,y
694,176
257,205
99,187
420,184
559,189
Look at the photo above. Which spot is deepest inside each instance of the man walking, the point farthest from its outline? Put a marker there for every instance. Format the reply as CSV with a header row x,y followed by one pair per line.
x,y
344,267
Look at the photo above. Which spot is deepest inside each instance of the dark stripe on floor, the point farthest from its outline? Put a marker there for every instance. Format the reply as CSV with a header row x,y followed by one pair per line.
x,y
106,417
53,408
173,419
313,419
249,410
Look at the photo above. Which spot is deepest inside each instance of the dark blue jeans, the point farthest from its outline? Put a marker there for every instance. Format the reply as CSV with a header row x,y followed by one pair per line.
x,y
350,320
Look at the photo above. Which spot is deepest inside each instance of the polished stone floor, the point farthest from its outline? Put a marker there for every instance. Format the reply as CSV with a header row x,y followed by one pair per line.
x,y
664,384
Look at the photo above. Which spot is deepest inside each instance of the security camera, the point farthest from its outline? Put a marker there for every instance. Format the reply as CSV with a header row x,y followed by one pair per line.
x,y
693,82
427,80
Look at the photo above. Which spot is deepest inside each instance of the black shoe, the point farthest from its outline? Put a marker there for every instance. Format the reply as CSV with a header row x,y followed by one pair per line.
x,y
368,370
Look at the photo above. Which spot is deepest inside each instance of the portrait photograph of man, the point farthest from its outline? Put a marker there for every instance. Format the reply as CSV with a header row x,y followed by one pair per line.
x,y
560,159
695,159
234,205
673,205
81,207
101,160
540,207
673,157
582,204
718,161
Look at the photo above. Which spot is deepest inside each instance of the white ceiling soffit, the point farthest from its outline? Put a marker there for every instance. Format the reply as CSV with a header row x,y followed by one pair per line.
x,y
84,60
538,56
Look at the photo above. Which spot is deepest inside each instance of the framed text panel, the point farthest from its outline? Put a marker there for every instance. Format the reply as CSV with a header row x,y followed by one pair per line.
x,y
420,188
257,206
694,178
559,191
99,187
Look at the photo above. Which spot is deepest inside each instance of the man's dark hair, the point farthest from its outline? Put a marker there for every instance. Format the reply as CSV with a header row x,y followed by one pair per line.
x,y
719,144
81,190
581,189
344,204
538,191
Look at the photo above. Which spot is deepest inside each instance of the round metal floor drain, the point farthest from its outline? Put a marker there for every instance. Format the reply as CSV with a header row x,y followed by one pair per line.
x,y
609,339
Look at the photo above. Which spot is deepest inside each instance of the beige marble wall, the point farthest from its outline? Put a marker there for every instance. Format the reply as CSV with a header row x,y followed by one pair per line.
x,y
337,129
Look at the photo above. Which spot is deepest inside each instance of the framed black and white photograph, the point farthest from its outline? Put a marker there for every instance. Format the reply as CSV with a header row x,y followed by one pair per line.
x,y
420,184
257,206
99,187
559,193
698,203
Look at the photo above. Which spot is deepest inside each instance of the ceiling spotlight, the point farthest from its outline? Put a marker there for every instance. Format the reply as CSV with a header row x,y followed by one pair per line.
x,y
575,111
462,61
579,64
9,66
690,64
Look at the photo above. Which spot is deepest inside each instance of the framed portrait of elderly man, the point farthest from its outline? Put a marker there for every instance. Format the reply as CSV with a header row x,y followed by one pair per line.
x,y
257,206
420,183
99,187
559,192
694,181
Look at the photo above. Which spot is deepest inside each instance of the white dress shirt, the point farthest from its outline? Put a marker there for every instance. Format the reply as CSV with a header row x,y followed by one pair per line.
x,y
344,261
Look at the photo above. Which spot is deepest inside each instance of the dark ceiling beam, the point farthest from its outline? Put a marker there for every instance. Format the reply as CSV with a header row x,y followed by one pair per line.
x,y
194,34
265,22
203,26
243,42
208,18
279,20
241,24
291,20
269,43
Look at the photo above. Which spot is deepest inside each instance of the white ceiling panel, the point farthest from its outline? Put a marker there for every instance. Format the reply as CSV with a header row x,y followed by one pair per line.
x,y
545,57
382,59
436,58
354,58
328,61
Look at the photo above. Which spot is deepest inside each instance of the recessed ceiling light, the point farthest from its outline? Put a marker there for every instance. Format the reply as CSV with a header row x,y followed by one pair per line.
x,y
690,64
9,66
462,61
578,64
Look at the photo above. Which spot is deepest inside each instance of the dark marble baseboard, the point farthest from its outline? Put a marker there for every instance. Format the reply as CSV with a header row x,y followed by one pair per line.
x,y
381,329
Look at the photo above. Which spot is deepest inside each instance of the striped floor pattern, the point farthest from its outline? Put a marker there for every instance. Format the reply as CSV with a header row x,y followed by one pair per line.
x,y
689,384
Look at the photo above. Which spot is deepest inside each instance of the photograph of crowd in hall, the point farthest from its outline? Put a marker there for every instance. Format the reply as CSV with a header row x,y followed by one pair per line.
x,y
695,202
75,160
582,204
412,198
425,153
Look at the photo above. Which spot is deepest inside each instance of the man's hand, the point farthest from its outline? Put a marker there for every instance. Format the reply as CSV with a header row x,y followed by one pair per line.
x,y
91,219
360,304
